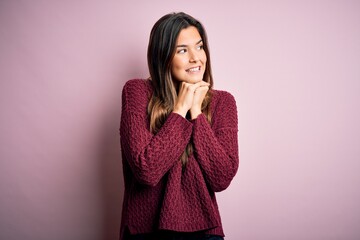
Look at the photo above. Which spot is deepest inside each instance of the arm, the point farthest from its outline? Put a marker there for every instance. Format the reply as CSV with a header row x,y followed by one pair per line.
x,y
216,149
150,156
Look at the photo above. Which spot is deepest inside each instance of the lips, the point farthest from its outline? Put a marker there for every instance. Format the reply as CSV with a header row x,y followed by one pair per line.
x,y
193,69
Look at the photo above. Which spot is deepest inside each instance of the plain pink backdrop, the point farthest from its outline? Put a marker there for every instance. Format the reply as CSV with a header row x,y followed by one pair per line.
x,y
293,67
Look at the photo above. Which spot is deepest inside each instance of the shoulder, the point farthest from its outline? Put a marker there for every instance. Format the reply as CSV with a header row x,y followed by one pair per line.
x,y
136,93
137,88
223,108
222,97
137,85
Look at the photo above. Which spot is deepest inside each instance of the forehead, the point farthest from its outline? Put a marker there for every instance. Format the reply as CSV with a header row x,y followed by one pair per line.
x,y
187,36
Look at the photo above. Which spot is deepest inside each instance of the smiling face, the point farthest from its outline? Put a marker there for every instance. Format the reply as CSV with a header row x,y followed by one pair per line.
x,y
189,62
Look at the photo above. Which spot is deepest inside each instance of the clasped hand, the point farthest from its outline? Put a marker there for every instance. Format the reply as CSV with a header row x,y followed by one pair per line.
x,y
190,98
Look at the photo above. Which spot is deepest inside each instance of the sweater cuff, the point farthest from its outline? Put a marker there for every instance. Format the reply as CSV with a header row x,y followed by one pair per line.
x,y
199,119
175,119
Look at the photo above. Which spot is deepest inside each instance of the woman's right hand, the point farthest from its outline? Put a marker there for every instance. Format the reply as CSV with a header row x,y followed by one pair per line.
x,y
186,97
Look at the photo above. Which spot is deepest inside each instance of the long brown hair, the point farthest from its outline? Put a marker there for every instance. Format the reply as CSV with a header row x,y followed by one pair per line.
x,y
161,50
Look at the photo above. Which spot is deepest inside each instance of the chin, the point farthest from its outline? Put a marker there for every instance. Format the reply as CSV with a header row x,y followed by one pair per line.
x,y
193,80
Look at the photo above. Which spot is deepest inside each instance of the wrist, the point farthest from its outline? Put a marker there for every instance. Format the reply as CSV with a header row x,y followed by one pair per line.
x,y
181,112
194,113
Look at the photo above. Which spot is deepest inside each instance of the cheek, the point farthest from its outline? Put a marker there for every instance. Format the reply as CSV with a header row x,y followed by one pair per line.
x,y
176,69
204,57
178,64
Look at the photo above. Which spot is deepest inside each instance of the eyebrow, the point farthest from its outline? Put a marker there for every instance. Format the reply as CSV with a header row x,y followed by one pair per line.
x,y
183,45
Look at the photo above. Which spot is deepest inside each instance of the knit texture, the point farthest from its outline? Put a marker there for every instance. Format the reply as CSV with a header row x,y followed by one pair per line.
x,y
159,193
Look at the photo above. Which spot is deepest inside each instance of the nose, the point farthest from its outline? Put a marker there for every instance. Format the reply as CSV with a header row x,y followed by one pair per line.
x,y
193,57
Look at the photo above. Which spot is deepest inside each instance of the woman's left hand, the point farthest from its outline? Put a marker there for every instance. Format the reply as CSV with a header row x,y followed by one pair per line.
x,y
199,96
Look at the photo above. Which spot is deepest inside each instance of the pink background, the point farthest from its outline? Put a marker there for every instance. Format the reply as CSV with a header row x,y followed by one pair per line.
x,y
293,67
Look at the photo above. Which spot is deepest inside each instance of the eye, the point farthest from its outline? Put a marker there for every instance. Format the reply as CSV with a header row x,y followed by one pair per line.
x,y
181,51
200,47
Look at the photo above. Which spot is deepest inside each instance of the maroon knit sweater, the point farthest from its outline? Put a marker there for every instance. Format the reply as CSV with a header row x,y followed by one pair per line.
x,y
159,193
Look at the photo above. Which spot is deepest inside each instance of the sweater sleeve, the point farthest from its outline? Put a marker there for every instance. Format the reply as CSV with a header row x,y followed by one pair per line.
x,y
216,148
150,156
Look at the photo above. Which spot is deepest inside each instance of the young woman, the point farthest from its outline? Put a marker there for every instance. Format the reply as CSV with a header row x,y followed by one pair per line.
x,y
178,138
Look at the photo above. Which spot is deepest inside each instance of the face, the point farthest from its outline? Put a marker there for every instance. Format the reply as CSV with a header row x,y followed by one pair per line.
x,y
189,62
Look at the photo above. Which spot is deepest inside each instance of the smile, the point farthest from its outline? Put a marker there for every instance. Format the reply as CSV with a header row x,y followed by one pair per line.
x,y
194,69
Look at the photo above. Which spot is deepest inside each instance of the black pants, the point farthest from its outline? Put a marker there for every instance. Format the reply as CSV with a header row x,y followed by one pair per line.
x,y
175,236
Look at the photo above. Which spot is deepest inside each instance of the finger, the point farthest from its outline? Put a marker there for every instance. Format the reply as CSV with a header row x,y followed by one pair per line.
x,y
187,87
202,88
193,87
205,83
200,84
